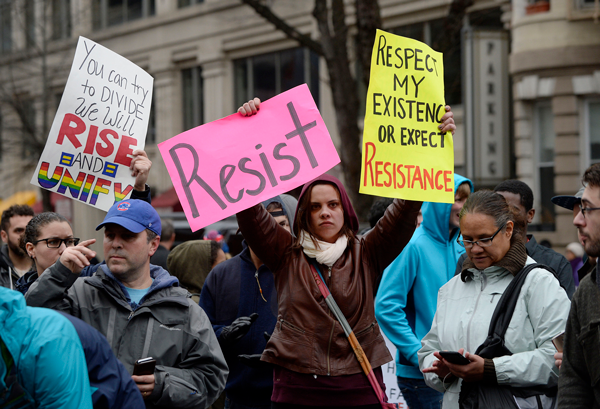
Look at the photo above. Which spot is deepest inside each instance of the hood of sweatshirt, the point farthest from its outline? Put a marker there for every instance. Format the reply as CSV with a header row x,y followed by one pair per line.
x,y
436,216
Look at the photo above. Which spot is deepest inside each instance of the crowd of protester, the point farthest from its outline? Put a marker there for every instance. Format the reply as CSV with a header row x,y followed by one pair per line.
x,y
474,305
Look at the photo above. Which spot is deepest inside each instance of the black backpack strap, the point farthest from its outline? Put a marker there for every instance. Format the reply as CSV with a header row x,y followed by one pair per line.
x,y
508,301
493,346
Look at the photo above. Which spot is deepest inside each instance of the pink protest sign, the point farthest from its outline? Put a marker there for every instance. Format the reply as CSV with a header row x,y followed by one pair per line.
x,y
226,166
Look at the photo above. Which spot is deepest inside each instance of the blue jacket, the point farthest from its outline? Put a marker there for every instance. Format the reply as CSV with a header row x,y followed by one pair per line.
x,y
112,386
49,362
231,291
407,296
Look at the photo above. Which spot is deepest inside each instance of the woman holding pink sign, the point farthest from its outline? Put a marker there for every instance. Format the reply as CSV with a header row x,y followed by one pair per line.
x,y
326,278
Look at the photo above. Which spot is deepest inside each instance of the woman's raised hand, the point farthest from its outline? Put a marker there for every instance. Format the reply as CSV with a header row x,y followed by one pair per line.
x,y
448,121
251,107
140,168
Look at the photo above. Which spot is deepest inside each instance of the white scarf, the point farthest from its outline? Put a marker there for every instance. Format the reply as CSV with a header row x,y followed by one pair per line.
x,y
325,253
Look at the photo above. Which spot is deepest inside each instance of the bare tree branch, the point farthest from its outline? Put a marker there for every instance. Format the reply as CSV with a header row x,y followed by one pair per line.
x,y
280,24
368,20
321,14
331,21
25,136
345,95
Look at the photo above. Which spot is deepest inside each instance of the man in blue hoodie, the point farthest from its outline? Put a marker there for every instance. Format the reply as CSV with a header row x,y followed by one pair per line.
x,y
407,296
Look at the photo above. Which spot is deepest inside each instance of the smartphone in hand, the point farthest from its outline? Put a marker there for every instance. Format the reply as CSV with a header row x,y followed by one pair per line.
x,y
454,357
559,342
144,366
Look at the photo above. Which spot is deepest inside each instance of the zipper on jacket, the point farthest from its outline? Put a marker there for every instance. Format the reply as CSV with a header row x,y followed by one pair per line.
x,y
483,282
364,331
130,315
292,326
329,271
329,349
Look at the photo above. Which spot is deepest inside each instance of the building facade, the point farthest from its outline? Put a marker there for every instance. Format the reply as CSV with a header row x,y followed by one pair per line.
x,y
555,70
525,88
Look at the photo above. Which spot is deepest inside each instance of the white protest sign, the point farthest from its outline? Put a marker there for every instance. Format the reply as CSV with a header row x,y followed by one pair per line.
x,y
391,381
102,118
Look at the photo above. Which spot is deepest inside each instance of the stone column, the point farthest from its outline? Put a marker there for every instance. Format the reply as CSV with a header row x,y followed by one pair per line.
x,y
81,18
85,220
217,103
167,100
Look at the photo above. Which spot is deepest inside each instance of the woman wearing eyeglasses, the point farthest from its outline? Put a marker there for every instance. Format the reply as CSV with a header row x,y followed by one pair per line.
x,y
46,237
491,234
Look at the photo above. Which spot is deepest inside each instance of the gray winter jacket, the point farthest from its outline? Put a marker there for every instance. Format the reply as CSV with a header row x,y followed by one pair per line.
x,y
167,325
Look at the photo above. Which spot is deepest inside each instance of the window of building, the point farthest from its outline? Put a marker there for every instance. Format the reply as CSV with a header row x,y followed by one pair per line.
x,y
29,12
592,131
445,37
28,128
185,3
417,31
151,134
544,140
108,13
5,26
61,19
193,88
537,6
267,75
434,34
585,4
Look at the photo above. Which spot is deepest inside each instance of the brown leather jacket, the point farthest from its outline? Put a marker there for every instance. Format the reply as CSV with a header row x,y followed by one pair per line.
x,y
307,339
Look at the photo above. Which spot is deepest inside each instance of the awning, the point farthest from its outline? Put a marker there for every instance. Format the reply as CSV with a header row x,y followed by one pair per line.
x,y
167,200
27,197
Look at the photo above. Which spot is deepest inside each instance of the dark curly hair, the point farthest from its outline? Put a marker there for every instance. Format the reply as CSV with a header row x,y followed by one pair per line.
x,y
518,188
591,176
32,231
14,210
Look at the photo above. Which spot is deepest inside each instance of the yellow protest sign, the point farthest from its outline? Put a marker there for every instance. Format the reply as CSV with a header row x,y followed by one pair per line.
x,y
404,153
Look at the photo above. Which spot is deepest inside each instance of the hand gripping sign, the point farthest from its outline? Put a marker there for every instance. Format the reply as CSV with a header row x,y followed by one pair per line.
x,y
226,166
404,153
102,118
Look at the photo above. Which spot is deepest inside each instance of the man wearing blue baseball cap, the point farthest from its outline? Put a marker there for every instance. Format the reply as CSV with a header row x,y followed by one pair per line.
x,y
140,308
